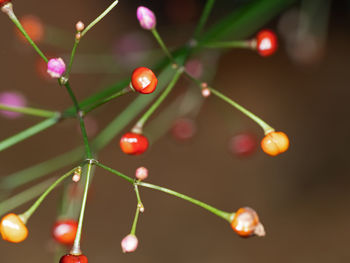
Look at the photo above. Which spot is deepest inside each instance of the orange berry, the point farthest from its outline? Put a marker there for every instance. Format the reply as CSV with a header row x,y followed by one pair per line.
x,y
275,143
13,229
246,223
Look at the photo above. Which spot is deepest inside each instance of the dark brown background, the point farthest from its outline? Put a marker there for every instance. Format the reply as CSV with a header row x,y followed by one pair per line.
x,y
301,196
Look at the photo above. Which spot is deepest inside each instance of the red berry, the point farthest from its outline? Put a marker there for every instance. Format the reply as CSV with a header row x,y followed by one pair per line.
x,y
143,80
2,2
266,42
133,143
243,144
74,259
64,231
183,129
246,223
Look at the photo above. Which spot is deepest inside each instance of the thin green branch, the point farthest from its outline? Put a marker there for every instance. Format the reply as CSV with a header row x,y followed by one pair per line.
x,y
29,111
14,19
76,245
162,44
27,214
267,128
125,177
27,133
247,44
69,68
99,18
134,223
24,196
204,17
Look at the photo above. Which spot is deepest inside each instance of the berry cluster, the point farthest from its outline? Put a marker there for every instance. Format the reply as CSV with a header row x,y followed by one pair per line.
x,y
67,230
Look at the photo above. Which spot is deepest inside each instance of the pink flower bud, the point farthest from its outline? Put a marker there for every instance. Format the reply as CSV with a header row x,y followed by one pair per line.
x,y
146,18
12,99
141,173
129,243
206,92
56,67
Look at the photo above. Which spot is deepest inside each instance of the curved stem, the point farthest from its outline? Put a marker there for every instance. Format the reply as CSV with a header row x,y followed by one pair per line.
x,y
29,111
219,213
204,17
27,214
99,18
27,133
215,211
141,122
14,19
76,246
267,128
23,197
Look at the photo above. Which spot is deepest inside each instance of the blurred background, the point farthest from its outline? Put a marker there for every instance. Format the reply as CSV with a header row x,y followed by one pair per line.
x,y
205,149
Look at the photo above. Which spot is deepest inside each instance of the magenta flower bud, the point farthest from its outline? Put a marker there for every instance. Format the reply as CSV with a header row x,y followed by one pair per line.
x,y
12,99
56,67
146,18
141,173
129,243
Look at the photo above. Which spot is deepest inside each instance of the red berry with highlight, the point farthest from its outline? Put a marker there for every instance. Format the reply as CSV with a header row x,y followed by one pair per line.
x,y
133,143
73,259
266,43
143,80
64,231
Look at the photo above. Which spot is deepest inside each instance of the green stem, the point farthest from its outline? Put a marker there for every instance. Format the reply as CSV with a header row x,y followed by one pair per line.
x,y
215,211
125,177
93,23
100,103
23,197
81,121
204,17
141,122
134,224
76,246
267,128
27,214
69,68
27,133
230,44
15,20
29,111
162,44
219,213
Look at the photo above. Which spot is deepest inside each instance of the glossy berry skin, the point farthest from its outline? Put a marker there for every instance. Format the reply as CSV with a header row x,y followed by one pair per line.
x,y
13,229
143,80
246,223
64,231
275,143
243,144
73,259
133,143
266,43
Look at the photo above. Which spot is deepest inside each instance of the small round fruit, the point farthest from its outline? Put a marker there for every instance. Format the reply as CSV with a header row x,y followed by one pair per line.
x,y
64,231
13,229
243,144
133,143
275,143
74,259
143,80
266,42
246,223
